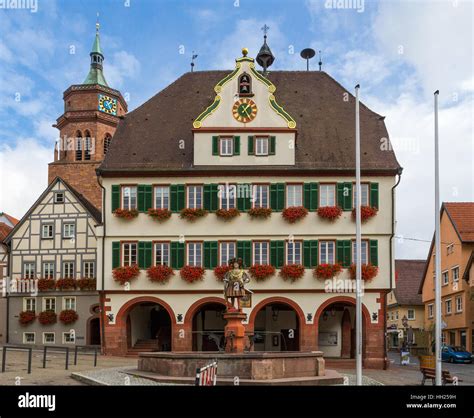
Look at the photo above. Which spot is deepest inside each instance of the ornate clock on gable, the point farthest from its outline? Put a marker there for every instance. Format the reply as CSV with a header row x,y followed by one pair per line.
x,y
107,104
244,110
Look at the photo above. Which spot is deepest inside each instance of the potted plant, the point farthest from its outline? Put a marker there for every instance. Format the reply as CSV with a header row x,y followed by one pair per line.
x,y
327,271
66,284
26,317
46,284
192,214
160,215
330,213
126,213
125,274
369,271
227,214
68,316
261,272
86,283
159,273
220,271
292,272
192,274
294,214
47,317
260,213
366,212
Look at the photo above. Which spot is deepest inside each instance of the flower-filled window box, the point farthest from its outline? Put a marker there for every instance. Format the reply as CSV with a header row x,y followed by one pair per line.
x,y
160,215
47,317
159,274
330,213
327,271
227,214
192,274
68,316
126,213
260,213
369,271
192,214
292,272
261,272
86,283
366,212
26,317
125,274
46,284
65,284
220,271
294,214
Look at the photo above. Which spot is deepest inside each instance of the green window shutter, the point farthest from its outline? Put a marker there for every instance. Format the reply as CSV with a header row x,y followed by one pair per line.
x,y
148,197
272,145
211,198
277,253
340,195
141,197
141,254
115,197
277,196
374,252
273,196
310,253
374,195
244,251
344,195
215,145
343,252
177,197
250,144
115,254
210,254
148,254
310,196
236,145
244,193
207,196
214,197
177,255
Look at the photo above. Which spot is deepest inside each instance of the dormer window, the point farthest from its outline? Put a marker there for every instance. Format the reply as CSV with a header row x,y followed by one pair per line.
x,y
245,84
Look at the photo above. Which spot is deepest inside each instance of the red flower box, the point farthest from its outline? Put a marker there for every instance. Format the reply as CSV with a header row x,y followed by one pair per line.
x,y
65,284
191,273
192,214
261,272
126,213
327,271
47,317
260,213
159,274
220,271
330,212
294,213
366,212
292,272
26,317
86,283
369,271
46,284
68,316
227,214
126,273
159,214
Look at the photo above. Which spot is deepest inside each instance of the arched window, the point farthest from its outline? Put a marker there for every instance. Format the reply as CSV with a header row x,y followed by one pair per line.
x,y
87,146
107,140
78,146
245,84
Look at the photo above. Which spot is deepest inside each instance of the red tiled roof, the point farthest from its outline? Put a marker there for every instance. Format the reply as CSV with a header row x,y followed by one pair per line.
x,y
4,231
409,275
13,220
462,216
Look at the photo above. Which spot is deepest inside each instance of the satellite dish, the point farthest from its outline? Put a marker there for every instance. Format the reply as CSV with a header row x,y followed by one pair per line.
x,y
307,54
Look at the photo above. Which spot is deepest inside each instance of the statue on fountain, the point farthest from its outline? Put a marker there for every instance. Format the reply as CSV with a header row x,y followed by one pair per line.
x,y
234,284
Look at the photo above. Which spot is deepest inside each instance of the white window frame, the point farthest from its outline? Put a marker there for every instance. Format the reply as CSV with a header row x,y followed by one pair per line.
x,y
448,302
73,338
27,302
66,271
455,271
29,342
458,303
129,197
261,195
262,145
88,267
49,229
29,273
364,252
445,277
228,196
69,230
45,303
68,305
261,252
165,253
327,195
44,270
226,146
128,256
294,252
194,196
227,250
324,247
49,333
294,195
412,318
194,254
365,195
56,200
161,197
430,310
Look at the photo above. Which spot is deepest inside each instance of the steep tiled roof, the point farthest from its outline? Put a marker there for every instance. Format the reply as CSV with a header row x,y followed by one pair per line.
x,y
4,230
462,216
409,275
147,138
13,220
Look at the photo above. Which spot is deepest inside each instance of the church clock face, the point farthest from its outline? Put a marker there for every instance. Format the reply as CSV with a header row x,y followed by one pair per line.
x,y
107,104
244,110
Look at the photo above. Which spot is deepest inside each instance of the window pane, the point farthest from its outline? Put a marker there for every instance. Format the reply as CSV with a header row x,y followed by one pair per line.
x,y
228,193
364,195
161,197
294,195
227,252
364,255
129,197
293,253
162,254
261,196
261,253
327,195
261,146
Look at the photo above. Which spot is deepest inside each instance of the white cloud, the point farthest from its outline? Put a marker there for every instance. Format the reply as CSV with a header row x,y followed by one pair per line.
x,y
122,65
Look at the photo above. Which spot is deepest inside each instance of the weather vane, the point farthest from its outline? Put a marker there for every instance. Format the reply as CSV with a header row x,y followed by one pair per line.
x,y
193,57
265,29
97,24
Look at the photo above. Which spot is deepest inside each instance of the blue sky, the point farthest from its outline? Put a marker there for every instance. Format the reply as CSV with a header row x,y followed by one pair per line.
x,y
400,52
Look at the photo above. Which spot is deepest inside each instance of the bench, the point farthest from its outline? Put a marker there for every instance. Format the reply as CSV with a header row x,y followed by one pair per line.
x,y
430,373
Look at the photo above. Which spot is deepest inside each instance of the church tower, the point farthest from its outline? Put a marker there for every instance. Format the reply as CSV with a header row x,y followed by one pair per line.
x,y
92,111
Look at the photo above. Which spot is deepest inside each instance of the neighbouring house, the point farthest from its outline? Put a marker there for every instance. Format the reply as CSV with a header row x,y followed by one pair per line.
x,y
457,244
405,309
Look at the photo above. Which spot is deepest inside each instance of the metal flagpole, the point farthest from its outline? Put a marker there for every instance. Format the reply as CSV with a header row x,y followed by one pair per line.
x,y
358,313
437,250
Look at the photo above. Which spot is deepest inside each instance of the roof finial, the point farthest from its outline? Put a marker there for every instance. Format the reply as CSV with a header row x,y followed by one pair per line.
x,y
265,57
193,57
265,30
97,24
320,61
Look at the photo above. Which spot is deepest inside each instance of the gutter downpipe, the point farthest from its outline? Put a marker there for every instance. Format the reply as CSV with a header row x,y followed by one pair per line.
x,y
101,293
